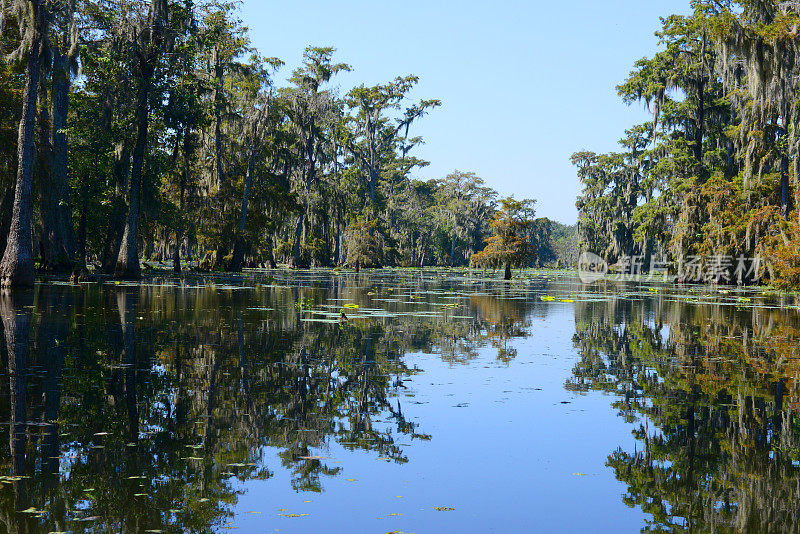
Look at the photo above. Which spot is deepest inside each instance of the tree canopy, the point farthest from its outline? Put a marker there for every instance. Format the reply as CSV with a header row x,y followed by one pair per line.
x,y
154,135
714,173
510,244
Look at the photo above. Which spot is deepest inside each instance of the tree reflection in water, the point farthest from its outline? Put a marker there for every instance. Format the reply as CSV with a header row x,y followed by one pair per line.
x,y
136,408
713,395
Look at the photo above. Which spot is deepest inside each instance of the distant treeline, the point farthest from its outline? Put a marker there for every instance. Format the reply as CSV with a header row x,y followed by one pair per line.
x,y
714,176
555,244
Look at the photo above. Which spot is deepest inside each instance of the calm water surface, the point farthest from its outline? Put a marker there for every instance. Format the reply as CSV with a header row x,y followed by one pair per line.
x,y
438,403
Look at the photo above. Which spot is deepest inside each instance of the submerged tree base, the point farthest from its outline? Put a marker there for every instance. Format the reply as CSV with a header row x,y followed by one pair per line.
x,y
17,272
123,272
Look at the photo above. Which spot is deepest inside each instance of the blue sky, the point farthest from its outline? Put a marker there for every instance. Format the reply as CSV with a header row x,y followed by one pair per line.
x,y
524,84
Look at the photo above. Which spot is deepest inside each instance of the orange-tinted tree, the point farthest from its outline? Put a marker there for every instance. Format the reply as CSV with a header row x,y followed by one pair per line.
x,y
510,243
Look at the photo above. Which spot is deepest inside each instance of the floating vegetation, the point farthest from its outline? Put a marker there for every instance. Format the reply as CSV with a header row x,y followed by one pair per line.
x,y
235,388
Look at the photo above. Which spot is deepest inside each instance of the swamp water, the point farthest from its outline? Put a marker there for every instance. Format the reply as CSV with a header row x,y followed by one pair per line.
x,y
443,403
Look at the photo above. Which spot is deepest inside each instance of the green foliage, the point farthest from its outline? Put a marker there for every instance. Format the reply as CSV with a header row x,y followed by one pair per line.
x,y
10,106
715,172
556,245
510,244
237,172
364,244
710,395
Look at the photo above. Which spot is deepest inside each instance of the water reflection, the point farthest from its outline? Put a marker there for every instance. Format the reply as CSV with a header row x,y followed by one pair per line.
x,y
146,408
712,393
157,407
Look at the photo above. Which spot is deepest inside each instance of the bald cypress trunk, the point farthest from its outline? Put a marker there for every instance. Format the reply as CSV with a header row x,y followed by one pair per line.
x,y
238,248
786,207
218,110
58,236
176,255
16,268
298,233
700,129
507,275
116,223
80,243
128,259
453,248
148,53
6,210
180,229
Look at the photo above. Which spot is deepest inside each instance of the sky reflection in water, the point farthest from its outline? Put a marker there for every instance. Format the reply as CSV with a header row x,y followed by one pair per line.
x,y
443,403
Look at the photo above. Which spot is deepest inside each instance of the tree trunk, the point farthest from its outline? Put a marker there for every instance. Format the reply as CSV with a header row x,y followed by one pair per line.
x,y
786,202
6,210
16,268
81,238
453,249
701,113
182,231
116,223
238,247
337,245
128,259
326,239
373,171
298,233
218,81
176,257
700,127
58,236
507,275
373,182
176,254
